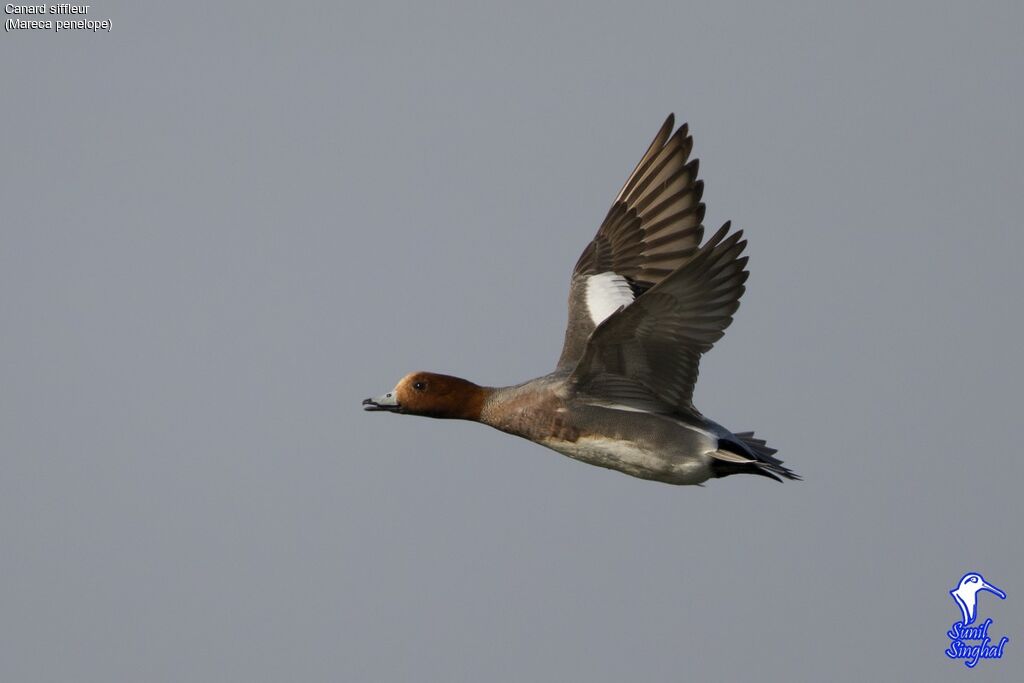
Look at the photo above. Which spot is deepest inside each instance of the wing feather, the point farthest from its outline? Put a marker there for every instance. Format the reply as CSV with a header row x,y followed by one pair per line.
x,y
647,354
654,226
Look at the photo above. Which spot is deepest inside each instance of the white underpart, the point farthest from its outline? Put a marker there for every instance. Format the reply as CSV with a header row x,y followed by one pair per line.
x,y
634,459
606,292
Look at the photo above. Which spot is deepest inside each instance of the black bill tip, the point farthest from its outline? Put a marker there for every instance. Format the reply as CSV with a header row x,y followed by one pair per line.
x,y
370,405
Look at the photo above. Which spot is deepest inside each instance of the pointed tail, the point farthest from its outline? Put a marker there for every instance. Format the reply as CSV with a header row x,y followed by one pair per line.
x,y
749,455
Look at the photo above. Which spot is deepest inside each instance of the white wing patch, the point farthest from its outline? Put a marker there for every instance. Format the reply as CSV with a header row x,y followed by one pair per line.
x,y
606,292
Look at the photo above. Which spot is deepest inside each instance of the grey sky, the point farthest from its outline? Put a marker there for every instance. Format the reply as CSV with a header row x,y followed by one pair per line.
x,y
225,226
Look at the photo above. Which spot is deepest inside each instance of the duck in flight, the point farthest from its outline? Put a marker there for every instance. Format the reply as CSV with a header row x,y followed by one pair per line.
x,y
646,300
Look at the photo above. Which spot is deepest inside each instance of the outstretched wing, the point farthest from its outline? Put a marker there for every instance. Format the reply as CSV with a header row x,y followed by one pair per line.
x,y
646,355
653,227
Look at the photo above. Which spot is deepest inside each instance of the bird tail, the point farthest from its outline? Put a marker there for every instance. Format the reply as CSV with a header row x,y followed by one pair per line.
x,y
749,455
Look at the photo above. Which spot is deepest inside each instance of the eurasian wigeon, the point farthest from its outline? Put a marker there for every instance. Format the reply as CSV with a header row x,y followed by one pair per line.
x,y
646,299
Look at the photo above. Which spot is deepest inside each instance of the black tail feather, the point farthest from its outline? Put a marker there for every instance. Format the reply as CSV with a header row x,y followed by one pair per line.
x,y
762,459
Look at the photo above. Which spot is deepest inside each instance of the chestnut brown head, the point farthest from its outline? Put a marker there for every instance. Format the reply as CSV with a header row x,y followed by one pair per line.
x,y
432,395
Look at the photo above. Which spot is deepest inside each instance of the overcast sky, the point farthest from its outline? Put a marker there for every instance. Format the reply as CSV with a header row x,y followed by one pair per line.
x,y
223,227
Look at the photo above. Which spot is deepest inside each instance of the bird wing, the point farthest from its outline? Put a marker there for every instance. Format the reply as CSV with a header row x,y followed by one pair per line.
x,y
653,227
646,354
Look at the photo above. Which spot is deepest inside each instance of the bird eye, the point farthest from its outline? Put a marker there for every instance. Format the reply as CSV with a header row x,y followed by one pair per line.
x,y
419,386
973,579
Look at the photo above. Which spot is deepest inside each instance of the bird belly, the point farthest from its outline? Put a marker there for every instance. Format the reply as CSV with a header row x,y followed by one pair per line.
x,y
635,459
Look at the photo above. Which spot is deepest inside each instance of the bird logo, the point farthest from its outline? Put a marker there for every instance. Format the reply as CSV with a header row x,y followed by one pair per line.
x,y
966,594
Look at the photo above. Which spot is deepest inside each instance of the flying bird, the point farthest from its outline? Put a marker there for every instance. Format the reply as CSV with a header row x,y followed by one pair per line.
x,y
646,300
